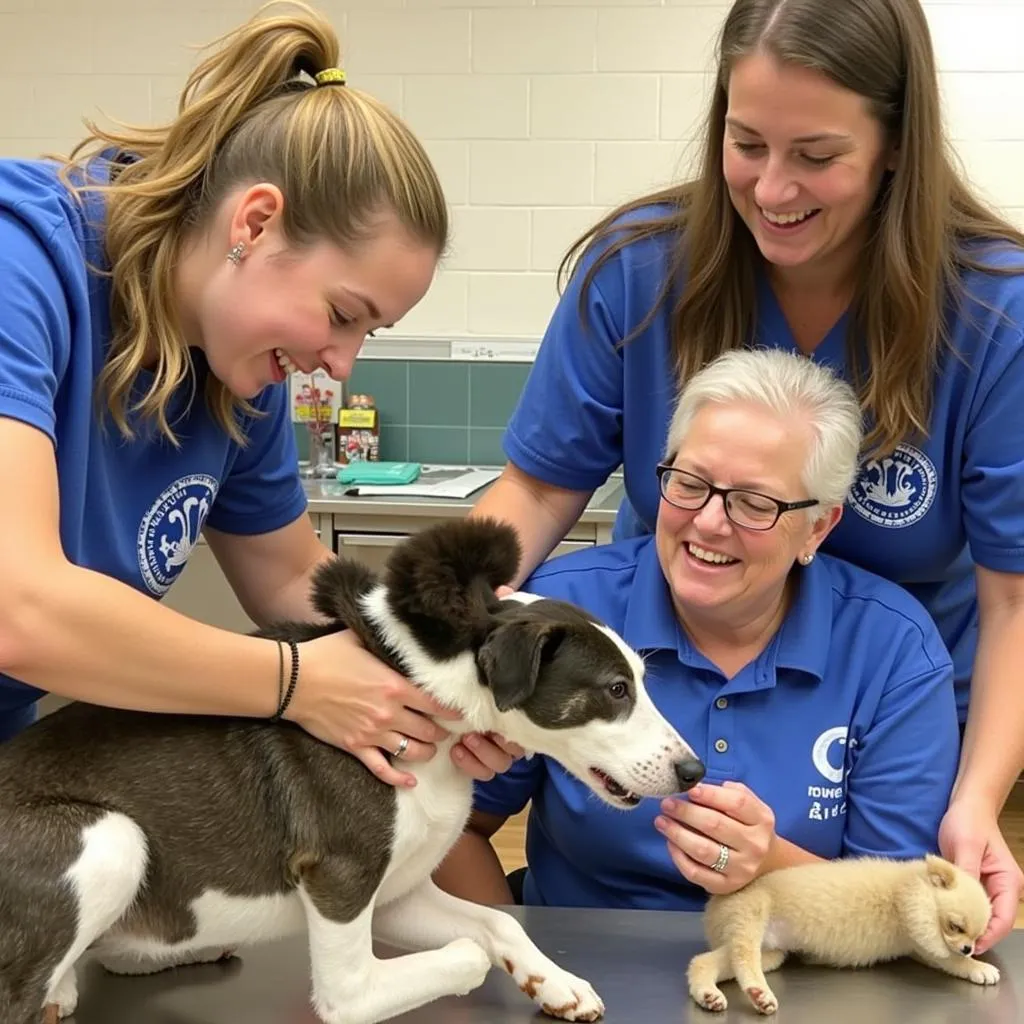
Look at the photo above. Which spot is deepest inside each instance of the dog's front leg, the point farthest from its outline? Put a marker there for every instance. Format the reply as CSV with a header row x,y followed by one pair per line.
x,y
428,917
352,986
977,971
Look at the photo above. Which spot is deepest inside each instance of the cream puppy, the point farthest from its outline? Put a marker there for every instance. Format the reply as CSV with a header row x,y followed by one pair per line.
x,y
842,913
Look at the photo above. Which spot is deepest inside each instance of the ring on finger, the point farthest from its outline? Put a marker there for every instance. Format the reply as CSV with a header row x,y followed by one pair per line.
x,y
723,859
402,747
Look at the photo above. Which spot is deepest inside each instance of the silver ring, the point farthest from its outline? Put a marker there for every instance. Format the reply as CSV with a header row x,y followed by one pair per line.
x,y
402,747
723,859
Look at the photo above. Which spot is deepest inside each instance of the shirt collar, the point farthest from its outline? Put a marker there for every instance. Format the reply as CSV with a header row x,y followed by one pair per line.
x,y
805,637
651,622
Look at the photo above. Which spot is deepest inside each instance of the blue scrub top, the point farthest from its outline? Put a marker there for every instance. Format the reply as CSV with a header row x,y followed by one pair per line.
x,y
845,726
923,516
130,510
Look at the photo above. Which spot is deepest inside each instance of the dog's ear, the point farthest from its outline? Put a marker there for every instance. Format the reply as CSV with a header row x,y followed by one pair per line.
x,y
940,872
510,658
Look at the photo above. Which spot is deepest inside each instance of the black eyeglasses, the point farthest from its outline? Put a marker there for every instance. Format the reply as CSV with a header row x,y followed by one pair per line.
x,y
749,509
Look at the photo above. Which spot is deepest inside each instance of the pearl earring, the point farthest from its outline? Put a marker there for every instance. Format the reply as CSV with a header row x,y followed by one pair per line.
x,y
237,253
807,559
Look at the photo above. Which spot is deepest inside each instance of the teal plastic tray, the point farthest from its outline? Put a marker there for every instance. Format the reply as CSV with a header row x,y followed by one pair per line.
x,y
378,473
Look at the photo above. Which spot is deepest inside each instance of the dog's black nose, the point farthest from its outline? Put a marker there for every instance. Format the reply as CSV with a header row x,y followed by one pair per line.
x,y
966,950
689,773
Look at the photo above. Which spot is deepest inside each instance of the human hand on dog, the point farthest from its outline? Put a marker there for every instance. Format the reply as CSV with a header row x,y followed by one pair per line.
x,y
969,836
709,817
352,700
368,709
483,755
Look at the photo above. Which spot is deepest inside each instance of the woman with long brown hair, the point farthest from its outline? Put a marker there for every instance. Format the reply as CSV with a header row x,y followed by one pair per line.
x,y
827,218
158,287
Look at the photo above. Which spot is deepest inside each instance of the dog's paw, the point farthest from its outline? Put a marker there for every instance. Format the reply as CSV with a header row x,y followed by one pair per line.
x,y
982,973
63,1000
54,1013
66,1007
558,993
763,999
467,965
712,999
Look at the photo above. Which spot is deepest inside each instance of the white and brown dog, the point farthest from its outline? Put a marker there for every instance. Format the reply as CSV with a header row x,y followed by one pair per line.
x,y
158,840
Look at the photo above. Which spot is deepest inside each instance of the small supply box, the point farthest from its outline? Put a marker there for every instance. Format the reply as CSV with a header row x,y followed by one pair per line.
x,y
359,431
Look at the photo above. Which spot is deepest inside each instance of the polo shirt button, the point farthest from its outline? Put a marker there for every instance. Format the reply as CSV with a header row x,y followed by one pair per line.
x,y
722,702
721,746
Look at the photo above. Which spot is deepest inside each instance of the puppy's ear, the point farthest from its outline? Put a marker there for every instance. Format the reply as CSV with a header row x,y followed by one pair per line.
x,y
510,658
941,873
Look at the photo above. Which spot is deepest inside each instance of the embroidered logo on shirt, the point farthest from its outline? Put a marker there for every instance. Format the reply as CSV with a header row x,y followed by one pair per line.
x,y
829,801
896,490
170,529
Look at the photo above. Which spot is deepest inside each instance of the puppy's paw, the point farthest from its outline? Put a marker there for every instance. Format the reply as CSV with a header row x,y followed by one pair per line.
x,y
763,999
712,999
982,973
467,965
557,992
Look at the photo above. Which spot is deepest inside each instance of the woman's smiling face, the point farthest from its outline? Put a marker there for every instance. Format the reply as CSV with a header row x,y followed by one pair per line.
x,y
803,161
716,569
282,307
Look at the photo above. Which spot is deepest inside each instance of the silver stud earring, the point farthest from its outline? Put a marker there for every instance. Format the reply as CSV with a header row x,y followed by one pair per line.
x,y
237,253
807,559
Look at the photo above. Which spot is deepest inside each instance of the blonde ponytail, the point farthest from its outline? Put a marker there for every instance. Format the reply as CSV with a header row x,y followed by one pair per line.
x,y
246,114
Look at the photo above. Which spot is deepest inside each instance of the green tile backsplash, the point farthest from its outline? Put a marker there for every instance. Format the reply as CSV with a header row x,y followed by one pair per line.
x,y
439,411
438,395
493,391
438,444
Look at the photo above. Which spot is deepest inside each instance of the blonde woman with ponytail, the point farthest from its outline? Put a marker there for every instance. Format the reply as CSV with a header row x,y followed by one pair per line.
x,y
158,287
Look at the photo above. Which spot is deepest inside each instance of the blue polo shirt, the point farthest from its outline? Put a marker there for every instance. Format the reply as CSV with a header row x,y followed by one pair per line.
x,y
130,510
845,726
922,517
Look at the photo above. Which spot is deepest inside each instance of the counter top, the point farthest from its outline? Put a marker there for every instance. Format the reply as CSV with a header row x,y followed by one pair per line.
x,y
328,497
635,959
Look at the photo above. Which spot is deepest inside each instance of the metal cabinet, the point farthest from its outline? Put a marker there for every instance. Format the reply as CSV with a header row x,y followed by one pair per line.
x,y
373,549
202,592
371,539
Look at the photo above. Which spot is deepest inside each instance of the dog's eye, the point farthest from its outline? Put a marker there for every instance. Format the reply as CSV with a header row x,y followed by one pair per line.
x,y
955,928
619,690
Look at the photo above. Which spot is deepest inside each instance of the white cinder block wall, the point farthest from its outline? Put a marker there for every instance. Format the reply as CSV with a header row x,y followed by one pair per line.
x,y
540,114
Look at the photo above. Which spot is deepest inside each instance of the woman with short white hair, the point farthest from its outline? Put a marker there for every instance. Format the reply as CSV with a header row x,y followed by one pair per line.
x,y
787,384
818,695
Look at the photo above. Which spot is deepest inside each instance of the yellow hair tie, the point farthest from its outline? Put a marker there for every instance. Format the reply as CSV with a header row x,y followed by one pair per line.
x,y
330,76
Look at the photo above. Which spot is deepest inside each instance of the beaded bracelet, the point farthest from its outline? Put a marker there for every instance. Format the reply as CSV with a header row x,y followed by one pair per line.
x,y
284,697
